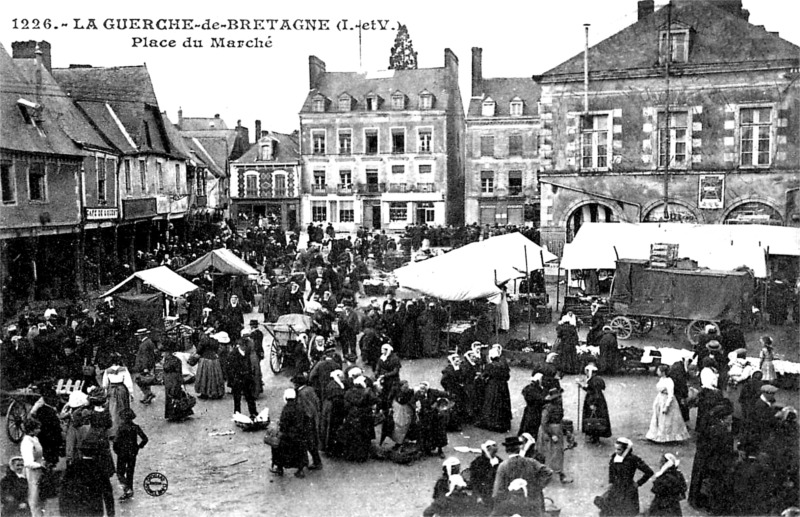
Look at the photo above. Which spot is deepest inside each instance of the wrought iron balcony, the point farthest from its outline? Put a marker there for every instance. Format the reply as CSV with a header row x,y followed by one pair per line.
x,y
399,187
319,190
344,188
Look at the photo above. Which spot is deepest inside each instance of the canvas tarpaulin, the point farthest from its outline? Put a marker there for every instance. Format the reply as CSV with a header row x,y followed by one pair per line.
x,y
721,247
160,278
682,294
474,271
220,260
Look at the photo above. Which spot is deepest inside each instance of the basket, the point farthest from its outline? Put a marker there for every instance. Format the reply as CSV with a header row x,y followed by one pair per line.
x,y
663,255
550,508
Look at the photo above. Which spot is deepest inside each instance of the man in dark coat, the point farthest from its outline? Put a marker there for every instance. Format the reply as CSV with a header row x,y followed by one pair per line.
x,y
233,317
761,421
609,359
145,365
309,401
241,378
514,467
680,377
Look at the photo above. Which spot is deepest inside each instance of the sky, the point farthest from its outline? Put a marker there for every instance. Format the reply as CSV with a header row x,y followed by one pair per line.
x,y
270,84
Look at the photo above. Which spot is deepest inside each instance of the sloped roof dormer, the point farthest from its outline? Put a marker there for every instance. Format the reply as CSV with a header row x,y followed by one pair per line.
x,y
373,101
346,102
426,100
399,100
488,107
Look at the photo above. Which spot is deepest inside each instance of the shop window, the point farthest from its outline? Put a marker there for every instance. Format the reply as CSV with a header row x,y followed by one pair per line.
x,y
319,211
346,212
398,212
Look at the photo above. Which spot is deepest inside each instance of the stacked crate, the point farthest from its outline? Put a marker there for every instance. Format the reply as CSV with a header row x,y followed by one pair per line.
x,y
663,255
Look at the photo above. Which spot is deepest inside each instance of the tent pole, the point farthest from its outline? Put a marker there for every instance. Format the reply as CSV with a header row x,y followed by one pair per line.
x,y
558,283
528,283
496,316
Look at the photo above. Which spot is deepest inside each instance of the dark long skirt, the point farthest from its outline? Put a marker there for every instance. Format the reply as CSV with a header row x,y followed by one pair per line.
x,y
496,411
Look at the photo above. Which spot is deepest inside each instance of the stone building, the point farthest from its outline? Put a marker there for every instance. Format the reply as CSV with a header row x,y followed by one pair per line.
x,y
383,149
692,115
265,181
502,149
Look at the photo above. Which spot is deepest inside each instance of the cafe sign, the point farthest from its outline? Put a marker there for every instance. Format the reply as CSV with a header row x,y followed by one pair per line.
x,y
101,214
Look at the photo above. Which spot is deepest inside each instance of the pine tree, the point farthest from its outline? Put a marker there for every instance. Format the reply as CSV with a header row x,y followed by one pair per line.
x,y
402,55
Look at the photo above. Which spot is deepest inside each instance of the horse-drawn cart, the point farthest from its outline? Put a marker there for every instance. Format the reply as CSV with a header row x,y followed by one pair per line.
x,y
642,296
287,331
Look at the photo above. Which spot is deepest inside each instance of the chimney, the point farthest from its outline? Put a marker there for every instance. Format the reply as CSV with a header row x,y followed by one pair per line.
x,y
180,118
258,130
477,71
732,6
316,67
646,8
242,136
450,60
27,50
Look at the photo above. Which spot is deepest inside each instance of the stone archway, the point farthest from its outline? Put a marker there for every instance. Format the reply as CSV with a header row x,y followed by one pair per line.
x,y
753,211
679,211
589,211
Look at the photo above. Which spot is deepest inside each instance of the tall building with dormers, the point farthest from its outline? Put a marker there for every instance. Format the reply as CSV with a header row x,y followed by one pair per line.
x,y
502,150
383,150
693,116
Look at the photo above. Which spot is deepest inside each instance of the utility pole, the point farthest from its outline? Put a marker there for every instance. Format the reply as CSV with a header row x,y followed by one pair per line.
x,y
666,142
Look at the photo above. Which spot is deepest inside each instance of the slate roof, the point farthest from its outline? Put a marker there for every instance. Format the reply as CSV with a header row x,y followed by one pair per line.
x,y
717,37
201,123
18,135
502,91
202,157
128,90
228,135
288,150
383,84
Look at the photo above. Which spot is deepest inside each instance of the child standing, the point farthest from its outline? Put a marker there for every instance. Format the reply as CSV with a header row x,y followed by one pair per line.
x,y
127,446
767,356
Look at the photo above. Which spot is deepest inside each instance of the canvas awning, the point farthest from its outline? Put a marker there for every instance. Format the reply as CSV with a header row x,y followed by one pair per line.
x,y
161,278
222,261
722,247
474,271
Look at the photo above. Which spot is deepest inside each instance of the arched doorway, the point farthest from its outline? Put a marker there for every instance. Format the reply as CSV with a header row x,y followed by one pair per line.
x,y
678,213
589,213
754,212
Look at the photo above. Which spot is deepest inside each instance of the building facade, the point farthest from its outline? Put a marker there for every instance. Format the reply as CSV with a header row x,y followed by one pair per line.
x,y
502,150
691,114
383,150
266,182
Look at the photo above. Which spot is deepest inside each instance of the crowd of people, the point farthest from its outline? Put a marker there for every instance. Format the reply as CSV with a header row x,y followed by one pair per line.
x,y
349,393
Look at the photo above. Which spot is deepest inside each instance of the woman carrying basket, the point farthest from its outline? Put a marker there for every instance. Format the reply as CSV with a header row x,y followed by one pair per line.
x,y
595,418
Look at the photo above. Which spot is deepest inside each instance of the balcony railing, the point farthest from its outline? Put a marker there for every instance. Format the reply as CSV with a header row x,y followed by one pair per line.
x,y
372,188
515,190
319,190
344,188
399,187
426,187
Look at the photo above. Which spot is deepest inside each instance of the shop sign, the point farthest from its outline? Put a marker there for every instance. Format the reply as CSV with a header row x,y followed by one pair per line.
x,y
101,214
711,192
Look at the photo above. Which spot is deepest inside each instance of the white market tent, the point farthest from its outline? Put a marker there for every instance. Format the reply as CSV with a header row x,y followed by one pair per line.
x,y
222,260
161,278
720,247
474,271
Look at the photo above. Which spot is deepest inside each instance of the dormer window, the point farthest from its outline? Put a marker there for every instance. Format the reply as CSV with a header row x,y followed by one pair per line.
x,y
425,100
318,104
674,44
345,102
515,107
373,102
265,151
398,101
487,108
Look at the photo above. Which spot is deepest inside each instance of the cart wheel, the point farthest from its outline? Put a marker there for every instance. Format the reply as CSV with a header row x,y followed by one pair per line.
x,y
276,357
623,327
15,419
697,327
644,324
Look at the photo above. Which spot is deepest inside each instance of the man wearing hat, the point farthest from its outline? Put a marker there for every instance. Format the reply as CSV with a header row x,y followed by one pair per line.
x,y
309,401
258,340
514,467
241,378
762,420
145,365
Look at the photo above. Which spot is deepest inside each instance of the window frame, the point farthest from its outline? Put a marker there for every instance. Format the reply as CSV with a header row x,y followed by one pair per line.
x,y
160,175
319,136
515,190
398,102
757,127
395,209
669,34
346,101
372,102
483,146
319,207
43,180
488,107
317,104
347,215
248,192
127,174
340,133
10,166
143,174
420,172
422,146
101,177
487,183
516,108
398,131
426,101
674,140
516,151
595,135
346,173
368,133
285,177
